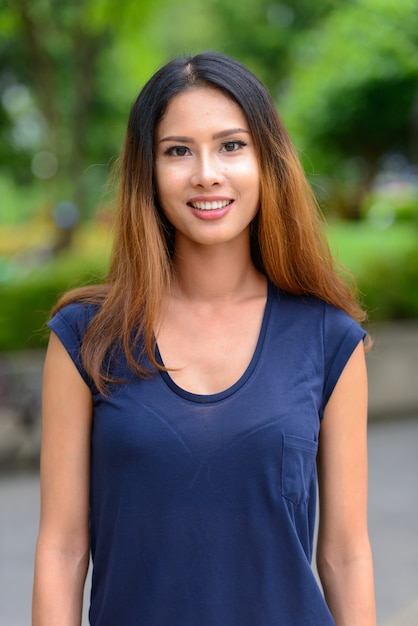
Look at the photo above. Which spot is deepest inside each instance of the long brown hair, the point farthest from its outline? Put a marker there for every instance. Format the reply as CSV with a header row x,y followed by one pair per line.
x,y
287,239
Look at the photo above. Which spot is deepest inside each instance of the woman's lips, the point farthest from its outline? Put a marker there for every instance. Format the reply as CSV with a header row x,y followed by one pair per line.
x,y
210,209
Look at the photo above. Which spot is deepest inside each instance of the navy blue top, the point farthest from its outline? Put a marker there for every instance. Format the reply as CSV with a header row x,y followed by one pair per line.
x,y
203,506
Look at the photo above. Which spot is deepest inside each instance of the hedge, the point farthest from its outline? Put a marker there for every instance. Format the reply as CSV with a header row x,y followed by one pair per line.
x,y
390,286
25,309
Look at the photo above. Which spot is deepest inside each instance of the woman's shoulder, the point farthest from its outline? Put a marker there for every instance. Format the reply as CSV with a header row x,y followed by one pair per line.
x,y
75,316
304,303
310,310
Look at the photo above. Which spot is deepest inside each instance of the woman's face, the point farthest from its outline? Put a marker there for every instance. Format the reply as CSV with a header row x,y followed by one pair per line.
x,y
206,168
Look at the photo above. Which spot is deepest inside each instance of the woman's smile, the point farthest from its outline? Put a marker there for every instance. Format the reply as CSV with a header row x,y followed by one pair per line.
x,y
210,208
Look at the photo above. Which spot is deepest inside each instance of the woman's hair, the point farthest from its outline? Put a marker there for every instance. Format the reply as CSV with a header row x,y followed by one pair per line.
x,y
287,240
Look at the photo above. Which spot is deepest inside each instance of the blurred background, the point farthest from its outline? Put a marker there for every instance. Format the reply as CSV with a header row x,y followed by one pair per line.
x,y
345,79
344,76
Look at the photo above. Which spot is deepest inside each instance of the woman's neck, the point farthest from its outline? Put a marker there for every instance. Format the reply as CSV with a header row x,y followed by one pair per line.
x,y
212,273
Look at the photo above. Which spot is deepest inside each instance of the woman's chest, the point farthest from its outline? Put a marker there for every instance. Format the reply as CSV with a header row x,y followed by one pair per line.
x,y
207,350
155,418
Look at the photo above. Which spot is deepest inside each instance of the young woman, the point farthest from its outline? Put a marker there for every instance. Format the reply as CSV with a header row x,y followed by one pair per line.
x,y
190,399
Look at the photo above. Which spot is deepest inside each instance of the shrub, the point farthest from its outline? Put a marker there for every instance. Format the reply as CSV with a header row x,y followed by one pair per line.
x,y
390,286
24,311
32,280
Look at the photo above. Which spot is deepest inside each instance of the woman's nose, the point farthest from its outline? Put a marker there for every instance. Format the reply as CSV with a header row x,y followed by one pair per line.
x,y
207,172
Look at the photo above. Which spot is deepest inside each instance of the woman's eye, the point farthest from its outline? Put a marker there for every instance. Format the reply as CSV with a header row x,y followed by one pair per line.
x,y
178,151
233,146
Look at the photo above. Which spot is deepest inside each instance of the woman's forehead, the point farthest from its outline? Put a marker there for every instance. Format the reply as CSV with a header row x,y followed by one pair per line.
x,y
200,107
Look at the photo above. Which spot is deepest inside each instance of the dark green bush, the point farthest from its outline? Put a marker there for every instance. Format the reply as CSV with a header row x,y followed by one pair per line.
x,y
390,286
23,313
31,286
24,310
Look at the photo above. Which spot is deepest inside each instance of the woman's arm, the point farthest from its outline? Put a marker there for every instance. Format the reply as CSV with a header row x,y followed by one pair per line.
x,y
62,553
343,555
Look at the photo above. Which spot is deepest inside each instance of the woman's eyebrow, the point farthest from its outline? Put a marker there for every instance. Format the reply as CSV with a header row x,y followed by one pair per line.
x,y
220,135
177,138
230,131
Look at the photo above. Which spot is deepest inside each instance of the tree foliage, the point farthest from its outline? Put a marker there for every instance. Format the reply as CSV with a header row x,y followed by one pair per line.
x,y
352,98
62,86
262,33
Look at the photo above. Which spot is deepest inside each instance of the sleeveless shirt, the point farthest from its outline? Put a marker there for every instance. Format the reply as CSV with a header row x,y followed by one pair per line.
x,y
202,507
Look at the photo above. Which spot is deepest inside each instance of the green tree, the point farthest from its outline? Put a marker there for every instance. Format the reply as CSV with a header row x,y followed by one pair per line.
x,y
64,88
353,94
262,33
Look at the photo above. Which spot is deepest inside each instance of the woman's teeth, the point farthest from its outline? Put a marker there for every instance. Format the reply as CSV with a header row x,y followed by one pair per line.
x,y
210,206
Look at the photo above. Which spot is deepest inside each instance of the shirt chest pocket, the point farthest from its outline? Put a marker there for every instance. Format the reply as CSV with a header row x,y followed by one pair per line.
x,y
298,465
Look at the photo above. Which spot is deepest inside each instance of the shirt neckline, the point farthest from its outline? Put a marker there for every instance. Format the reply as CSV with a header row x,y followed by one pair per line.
x,y
221,395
